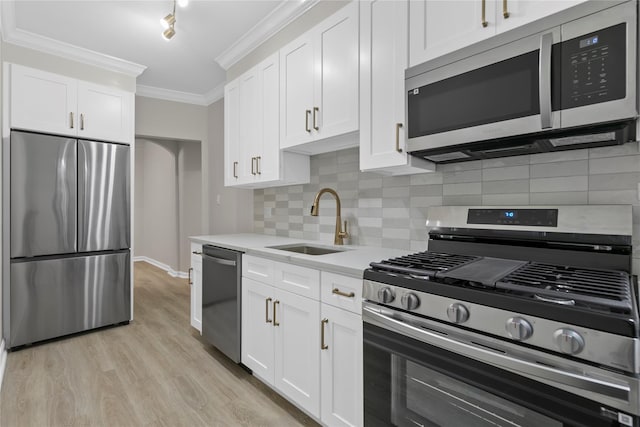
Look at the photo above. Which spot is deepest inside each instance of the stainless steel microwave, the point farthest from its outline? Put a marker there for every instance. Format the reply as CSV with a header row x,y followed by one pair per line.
x,y
566,81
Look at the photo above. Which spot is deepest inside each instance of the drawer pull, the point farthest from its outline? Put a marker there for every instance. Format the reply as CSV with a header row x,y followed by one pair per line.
x,y
266,310
190,280
196,253
337,291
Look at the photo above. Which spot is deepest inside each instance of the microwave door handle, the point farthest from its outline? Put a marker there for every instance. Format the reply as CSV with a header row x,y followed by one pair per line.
x,y
544,82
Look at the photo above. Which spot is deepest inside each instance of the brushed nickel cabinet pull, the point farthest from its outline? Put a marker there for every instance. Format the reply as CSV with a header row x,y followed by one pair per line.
x,y
315,118
398,127
337,291
71,120
505,10
323,345
235,169
81,121
196,253
190,280
484,13
275,304
266,310
258,165
307,113
253,166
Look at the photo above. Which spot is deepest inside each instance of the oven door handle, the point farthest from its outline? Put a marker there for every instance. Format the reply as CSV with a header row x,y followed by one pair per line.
x,y
496,358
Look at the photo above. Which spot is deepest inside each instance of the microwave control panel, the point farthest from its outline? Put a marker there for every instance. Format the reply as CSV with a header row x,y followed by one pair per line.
x,y
594,67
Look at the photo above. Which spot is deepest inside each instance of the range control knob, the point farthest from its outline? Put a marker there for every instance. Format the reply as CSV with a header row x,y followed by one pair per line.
x,y
457,313
410,301
386,295
568,341
519,329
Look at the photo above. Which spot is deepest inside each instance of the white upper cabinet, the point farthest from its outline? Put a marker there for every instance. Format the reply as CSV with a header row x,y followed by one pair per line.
x,y
319,85
438,27
383,59
252,134
51,103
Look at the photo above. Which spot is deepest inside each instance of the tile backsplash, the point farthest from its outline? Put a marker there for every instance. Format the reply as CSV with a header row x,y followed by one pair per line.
x,y
391,211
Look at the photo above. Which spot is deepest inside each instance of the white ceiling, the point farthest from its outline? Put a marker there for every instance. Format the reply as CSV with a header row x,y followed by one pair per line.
x,y
130,30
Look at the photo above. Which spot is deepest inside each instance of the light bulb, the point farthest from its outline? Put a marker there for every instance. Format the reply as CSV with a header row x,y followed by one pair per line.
x,y
183,3
168,21
169,33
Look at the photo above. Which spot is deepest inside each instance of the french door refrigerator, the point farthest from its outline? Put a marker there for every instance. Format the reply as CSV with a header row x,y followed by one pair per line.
x,y
69,237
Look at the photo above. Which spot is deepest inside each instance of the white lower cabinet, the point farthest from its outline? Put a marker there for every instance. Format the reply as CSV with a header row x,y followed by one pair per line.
x,y
195,281
341,368
309,351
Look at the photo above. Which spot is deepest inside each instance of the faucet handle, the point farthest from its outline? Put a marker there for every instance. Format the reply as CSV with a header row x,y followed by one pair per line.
x,y
344,232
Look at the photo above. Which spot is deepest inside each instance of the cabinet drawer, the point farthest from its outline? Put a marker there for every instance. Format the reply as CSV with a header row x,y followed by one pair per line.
x,y
196,251
341,291
298,280
260,269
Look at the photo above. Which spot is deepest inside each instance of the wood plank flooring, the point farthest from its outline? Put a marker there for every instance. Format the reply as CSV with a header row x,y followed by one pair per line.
x,y
156,371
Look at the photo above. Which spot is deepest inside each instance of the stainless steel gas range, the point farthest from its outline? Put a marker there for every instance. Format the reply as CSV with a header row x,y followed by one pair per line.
x,y
521,316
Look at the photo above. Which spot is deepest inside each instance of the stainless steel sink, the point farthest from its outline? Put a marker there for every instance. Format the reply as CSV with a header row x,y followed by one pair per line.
x,y
308,249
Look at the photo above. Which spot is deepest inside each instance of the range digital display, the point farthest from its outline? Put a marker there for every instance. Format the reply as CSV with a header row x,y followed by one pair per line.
x,y
526,217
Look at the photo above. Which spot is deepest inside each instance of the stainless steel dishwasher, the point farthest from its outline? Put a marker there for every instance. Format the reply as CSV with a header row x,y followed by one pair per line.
x,y
221,299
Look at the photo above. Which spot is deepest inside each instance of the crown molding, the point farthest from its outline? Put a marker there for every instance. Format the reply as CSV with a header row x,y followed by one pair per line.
x,y
13,35
178,96
280,17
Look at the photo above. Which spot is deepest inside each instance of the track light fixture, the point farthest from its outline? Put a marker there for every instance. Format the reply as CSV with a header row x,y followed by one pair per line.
x,y
169,21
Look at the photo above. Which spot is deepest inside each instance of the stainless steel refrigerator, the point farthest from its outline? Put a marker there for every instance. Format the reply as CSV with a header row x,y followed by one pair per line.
x,y
69,226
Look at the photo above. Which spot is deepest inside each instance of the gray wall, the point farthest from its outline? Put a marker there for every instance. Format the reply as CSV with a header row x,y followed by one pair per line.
x,y
391,211
189,200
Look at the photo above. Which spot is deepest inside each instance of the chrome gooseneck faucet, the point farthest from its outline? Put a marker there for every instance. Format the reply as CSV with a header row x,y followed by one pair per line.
x,y
340,234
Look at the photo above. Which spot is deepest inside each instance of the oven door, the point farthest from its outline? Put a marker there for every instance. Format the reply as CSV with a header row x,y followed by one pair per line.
x,y
426,373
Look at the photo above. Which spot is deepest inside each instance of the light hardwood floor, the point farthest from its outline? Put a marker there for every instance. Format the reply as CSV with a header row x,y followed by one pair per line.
x,y
154,371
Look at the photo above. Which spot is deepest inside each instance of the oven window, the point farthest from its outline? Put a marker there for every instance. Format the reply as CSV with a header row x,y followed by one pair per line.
x,y
428,398
501,91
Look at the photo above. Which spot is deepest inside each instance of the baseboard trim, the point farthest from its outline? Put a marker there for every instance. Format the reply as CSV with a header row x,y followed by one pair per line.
x,y
3,361
170,271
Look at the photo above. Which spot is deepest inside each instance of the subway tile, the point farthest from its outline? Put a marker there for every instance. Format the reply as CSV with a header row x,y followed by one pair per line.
x,y
370,212
629,163
370,231
506,199
371,241
614,181
368,184
395,192
370,193
418,246
423,202
559,156
464,166
461,189
395,233
462,200
505,187
629,148
370,222
396,181
295,189
351,155
395,212
427,178
282,204
404,223
568,168
559,198
611,197
395,243
395,203
425,190
348,176
505,161
370,203
505,173
346,185
559,184
462,176
347,167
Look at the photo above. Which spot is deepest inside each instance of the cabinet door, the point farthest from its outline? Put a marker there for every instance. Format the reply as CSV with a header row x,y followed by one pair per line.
x,y
105,113
43,101
196,286
257,329
249,123
296,91
232,133
268,152
438,27
335,108
341,367
521,12
297,341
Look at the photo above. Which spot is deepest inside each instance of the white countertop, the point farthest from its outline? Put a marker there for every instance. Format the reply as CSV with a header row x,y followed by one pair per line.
x,y
351,261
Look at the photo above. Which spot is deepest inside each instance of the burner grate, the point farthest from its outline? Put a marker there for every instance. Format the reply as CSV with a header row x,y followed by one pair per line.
x,y
423,264
607,288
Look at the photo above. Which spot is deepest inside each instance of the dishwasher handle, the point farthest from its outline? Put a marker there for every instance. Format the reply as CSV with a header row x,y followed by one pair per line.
x,y
222,261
